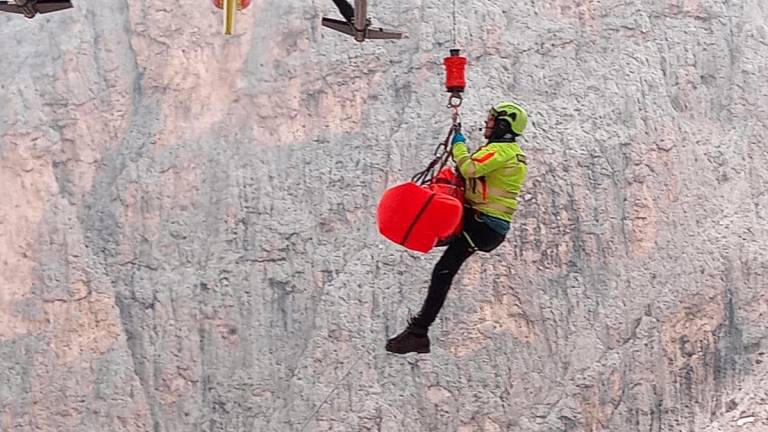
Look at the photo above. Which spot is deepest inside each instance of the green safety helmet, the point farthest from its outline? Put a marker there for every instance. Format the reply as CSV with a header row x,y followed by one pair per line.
x,y
513,113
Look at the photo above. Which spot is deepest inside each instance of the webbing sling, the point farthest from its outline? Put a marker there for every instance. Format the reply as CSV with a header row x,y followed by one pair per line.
x,y
418,216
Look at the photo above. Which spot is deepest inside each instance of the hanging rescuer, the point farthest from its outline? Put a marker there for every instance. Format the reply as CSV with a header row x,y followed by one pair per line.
x,y
467,208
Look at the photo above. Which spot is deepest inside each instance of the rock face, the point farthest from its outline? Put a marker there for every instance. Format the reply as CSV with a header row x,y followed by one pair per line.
x,y
188,239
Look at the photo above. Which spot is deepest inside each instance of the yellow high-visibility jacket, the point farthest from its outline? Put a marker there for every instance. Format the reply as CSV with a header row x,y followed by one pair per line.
x,y
494,174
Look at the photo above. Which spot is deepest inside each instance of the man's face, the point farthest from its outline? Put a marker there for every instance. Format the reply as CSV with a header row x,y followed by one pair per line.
x,y
490,122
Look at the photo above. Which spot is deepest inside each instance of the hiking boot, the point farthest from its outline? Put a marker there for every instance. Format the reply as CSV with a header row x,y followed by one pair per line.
x,y
412,339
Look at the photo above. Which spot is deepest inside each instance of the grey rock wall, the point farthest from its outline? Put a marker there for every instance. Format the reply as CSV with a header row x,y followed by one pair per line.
x,y
188,239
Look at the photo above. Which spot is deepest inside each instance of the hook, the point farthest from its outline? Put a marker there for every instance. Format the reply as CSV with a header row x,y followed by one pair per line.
x,y
455,100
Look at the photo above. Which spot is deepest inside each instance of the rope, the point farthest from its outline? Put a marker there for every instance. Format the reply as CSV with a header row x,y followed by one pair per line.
x,y
440,160
442,151
454,23
333,390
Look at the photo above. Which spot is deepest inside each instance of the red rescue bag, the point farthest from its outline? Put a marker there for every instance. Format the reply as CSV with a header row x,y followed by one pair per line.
x,y
418,217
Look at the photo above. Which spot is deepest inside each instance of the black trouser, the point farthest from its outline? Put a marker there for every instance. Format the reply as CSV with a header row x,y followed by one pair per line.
x,y
484,238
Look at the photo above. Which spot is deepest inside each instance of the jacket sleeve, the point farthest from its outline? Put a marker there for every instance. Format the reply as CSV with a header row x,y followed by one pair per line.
x,y
480,163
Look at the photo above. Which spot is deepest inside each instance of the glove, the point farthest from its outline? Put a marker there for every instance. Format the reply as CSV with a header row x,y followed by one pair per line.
x,y
457,138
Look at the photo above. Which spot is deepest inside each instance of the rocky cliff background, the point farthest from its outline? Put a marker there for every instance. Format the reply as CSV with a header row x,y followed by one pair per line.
x,y
187,220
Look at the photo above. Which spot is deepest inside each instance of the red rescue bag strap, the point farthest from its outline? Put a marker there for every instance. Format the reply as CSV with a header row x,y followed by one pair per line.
x,y
417,218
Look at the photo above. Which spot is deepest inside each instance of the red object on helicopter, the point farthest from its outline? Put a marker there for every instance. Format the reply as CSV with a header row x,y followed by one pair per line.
x,y
454,72
241,4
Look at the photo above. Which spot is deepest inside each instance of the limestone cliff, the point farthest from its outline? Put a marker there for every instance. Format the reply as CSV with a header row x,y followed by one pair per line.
x,y
187,220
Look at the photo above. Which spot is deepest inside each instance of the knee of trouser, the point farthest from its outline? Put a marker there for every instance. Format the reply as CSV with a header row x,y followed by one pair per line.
x,y
443,274
490,247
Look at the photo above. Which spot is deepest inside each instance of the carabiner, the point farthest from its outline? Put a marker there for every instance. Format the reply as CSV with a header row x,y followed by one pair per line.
x,y
455,100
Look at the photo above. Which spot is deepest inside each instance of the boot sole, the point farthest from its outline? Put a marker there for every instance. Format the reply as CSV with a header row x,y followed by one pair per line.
x,y
418,351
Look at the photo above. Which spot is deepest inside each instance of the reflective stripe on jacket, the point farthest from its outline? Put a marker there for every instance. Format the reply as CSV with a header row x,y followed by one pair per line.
x,y
495,174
